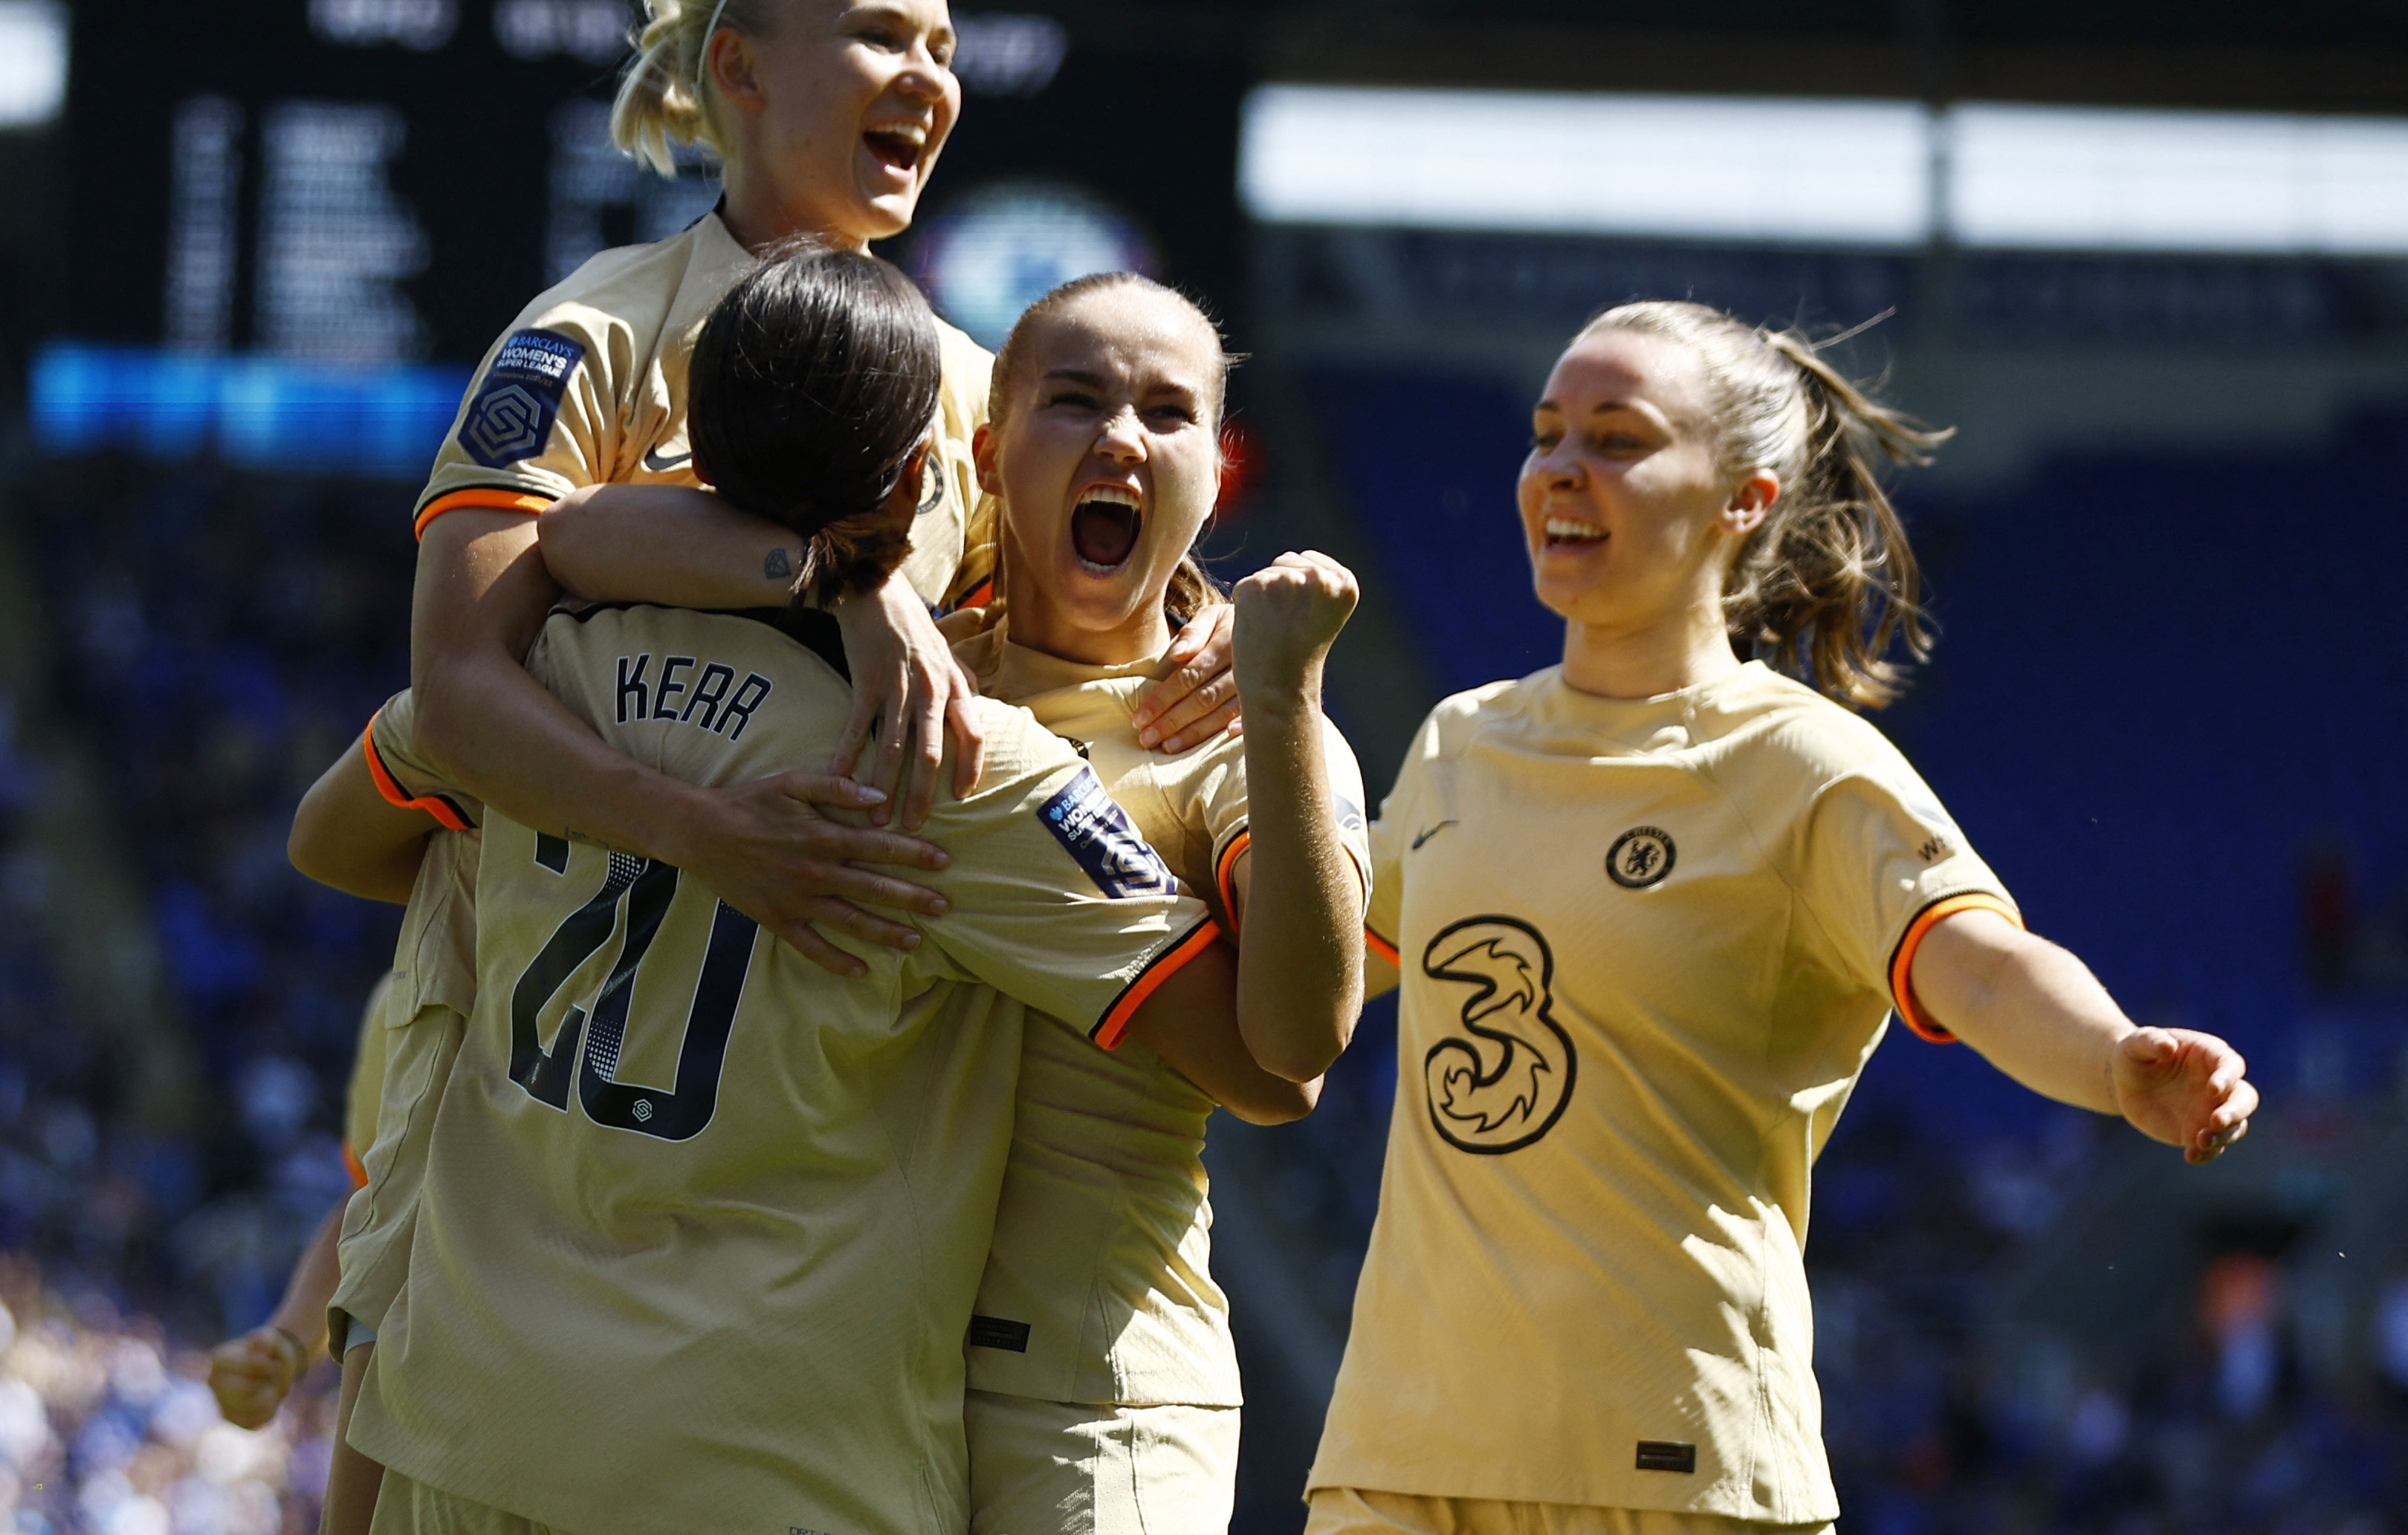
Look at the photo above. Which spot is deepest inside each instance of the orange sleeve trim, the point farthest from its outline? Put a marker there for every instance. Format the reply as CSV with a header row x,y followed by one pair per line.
x,y
1224,874
497,499
352,1164
1901,965
978,595
446,813
1382,948
1114,1026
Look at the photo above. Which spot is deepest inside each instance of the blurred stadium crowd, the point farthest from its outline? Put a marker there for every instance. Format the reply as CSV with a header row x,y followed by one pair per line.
x,y
217,636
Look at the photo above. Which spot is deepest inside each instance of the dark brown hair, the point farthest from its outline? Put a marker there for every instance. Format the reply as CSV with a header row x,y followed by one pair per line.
x,y
1827,583
1192,587
813,384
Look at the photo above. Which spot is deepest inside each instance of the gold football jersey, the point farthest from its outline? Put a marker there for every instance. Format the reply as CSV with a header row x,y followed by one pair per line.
x,y
588,386
416,1033
1647,948
1098,1287
702,1223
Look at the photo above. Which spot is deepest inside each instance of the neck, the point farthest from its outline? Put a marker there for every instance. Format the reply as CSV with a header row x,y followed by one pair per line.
x,y
1044,628
1623,661
759,215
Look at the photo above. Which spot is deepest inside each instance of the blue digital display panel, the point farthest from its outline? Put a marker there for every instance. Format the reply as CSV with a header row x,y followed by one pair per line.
x,y
258,411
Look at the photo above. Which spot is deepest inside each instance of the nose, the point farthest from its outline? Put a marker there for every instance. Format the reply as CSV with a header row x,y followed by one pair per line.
x,y
1121,439
923,78
1558,468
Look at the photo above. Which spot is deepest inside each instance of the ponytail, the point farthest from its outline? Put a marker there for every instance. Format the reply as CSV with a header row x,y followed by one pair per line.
x,y
663,98
1827,585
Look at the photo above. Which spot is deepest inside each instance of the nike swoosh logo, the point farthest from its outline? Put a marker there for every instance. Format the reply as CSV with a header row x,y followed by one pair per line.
x,y
659,466
1427,835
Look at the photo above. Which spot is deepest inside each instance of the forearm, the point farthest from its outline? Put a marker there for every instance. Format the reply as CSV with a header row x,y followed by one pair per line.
x,y
499,734
669,545
345,835
1300,899
301,1316
2028,1007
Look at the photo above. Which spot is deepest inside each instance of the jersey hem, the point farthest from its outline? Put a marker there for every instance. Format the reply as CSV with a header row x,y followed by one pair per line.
x,y
1704,1503
1224,873
1109,1031
1901,965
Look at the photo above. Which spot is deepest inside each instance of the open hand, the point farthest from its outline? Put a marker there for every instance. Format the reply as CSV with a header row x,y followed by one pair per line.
x,y
1289,613
908,687
253,1374
1196,698
2185,1089
770,853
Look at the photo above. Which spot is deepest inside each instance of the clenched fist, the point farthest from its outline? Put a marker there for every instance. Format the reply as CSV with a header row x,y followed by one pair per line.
x,y
2185,1089
1288,613
253,1374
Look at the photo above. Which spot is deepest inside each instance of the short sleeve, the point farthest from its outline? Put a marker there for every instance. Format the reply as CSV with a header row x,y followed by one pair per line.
x,y
1388,840
1223,809
1883,864
539,420
1055,900
404,776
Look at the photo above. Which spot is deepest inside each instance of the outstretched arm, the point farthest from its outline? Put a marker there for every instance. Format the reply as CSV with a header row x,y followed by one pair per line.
x,y
483,593
1299,896
2036,1013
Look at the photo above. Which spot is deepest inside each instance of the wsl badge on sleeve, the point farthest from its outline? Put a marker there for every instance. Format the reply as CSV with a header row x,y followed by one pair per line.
x,y
511,419
1096,831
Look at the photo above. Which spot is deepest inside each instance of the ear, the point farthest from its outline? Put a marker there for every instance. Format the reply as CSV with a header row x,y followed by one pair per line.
x,y
1749,504
903,501
733,67
984,447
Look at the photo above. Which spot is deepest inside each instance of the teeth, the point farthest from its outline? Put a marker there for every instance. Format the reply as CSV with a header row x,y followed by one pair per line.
x,y
1113,495
1558,527
916,132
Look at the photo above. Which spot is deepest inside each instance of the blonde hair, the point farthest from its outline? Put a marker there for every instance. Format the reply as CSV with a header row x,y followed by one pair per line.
x,y
662,102
1827,583
1192,586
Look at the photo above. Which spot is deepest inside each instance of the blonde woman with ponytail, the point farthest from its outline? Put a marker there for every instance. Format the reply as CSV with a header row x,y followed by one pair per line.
x,y
826,118
1653,908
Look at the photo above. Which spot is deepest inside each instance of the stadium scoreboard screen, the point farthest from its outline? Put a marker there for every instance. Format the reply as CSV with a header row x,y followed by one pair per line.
x,y
351,182
368,182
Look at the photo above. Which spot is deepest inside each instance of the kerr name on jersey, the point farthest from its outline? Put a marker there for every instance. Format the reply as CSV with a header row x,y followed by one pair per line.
x,y
702,700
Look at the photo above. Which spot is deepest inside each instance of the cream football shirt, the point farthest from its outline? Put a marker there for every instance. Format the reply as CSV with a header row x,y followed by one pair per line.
x,y
702,1223
1646,948
588,385
1098,1287
415,1035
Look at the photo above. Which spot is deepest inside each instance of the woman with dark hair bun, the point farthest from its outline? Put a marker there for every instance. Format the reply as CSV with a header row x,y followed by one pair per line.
x,y
1653,908
700,1222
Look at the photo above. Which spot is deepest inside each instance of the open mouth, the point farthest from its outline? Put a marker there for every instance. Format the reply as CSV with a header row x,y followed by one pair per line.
x,y
1563,532
1103,528
900,148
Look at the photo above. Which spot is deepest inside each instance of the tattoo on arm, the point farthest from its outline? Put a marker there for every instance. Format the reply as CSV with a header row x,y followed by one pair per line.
x,y
777,566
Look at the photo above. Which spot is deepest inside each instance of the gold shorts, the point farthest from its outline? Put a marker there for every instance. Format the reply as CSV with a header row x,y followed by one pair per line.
x,y
404,1507
1354,1510
1056,1467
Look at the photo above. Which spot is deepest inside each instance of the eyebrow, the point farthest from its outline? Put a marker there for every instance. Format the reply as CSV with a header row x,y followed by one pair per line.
x,y
1075,376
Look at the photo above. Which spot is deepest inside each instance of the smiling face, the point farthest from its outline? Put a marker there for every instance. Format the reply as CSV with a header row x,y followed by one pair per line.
x,y
1630,520
834,119
1107,462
